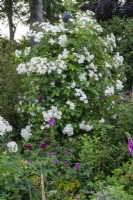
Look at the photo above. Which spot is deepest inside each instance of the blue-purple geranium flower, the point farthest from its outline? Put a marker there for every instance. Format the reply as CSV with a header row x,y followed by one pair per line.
x,y
130,146
52,122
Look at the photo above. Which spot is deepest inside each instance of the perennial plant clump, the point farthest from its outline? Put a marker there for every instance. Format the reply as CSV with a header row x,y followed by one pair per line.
x,y
71,77
5,127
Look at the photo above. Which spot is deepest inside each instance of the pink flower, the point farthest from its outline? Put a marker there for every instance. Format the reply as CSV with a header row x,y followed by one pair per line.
x,y
130,146
54,153
77,165
66,163
77,196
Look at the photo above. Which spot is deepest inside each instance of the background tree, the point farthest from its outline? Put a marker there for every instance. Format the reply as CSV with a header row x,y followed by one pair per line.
x,y
36,11
12,12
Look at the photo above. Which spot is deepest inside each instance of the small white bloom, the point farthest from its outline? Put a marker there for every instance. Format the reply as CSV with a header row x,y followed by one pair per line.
x,y
51,41
62,40
26,133
86,127
109,91
12,146
102,120
68,129
119,85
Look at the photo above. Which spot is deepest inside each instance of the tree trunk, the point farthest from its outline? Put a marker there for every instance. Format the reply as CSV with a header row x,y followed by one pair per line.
x,y
36,11
9,9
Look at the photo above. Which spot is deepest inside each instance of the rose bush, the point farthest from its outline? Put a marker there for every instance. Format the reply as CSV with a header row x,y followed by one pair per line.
x,y
71,76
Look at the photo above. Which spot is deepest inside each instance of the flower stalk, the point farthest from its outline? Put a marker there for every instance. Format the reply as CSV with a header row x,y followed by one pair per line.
x,y
42,187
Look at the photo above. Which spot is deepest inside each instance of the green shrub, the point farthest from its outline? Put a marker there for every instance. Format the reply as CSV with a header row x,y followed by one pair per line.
x,y
123,29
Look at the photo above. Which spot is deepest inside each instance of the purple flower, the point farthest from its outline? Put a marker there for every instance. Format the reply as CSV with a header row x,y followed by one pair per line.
x,y
43,145
130,146
31,161
68,153
52,122
48,154
56,161
66,163
40,99
28,146
54,153
77,196
77,165
32,189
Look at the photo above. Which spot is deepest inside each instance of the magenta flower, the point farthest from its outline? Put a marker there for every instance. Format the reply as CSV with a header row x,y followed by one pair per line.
x,y
66,163
40,99
77,165
43,145
52,122
54,153
77,196
28,146
130,146
31,161
56,161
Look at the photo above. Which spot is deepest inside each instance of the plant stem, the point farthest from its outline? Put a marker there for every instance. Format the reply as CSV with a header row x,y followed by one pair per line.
x,y
42,187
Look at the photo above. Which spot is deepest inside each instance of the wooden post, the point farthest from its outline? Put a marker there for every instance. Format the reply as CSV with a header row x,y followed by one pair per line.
x,y
42,187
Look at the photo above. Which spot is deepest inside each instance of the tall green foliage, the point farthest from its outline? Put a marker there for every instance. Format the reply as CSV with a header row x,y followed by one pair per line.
x,y
123,30
9,81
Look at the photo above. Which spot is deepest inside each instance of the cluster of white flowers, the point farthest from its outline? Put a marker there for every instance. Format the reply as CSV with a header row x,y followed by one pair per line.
x,y
68,129
119,85
45,27
111,40
81,58
118,60
107,65
26,133
41,66
64,54
73,84
62,40
89,57
71,104
12,146
19,53
38,36
84,18
109,91
92,69
51,41
82,95
4,126
85,127
27,51
30,33
53,112
82,77
102,120
53,29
